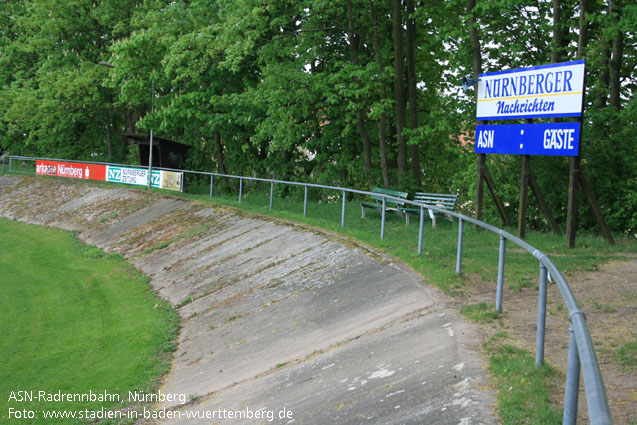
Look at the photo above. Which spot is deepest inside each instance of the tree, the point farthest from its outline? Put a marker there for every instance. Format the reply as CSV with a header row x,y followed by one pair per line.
x,y
382,123
399,86
413,90
314,90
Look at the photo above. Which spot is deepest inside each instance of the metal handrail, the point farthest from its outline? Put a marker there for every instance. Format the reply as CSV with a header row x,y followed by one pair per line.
x,y
581,353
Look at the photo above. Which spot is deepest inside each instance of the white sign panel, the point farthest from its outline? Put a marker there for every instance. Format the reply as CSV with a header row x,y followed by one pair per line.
x,y
136,176
554,90
139,176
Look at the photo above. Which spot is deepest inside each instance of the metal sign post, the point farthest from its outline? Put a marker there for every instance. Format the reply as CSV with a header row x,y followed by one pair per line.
x,y
150,151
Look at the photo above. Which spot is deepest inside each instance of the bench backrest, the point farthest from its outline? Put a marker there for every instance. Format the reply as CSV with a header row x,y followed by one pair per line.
x,y
389,192
442,200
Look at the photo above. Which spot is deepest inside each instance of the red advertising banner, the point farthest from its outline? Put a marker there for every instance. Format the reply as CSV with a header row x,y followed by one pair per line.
x,y
73,170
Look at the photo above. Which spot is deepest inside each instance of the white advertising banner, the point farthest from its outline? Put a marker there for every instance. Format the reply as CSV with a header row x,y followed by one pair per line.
x,y
546,91
139,176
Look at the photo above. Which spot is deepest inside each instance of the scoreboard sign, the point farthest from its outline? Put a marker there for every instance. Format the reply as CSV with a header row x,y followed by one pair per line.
x,y
545,91
554,139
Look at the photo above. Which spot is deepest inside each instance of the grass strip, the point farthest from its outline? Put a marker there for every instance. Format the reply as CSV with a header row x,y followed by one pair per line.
x,y
75,320
524,390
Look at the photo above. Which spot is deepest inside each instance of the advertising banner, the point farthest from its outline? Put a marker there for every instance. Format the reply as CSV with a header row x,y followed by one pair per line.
x,y
136,176
171,180
554,90
139,176
557,139
73,170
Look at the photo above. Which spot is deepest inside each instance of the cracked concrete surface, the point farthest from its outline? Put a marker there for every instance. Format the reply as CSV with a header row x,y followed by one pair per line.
x,y
275,316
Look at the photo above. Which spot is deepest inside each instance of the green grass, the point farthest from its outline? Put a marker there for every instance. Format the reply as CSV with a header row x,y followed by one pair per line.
x,y
627,355
74,319
480,313
524,391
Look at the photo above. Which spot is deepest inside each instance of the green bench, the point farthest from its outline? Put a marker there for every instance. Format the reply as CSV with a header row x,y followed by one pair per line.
x,y
392,205
440,200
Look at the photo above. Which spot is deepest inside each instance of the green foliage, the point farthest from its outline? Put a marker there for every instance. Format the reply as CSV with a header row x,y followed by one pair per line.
x,y
294,89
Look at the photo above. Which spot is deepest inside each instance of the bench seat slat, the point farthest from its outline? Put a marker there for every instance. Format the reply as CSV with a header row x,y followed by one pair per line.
x,y
437,195
445,201
392,205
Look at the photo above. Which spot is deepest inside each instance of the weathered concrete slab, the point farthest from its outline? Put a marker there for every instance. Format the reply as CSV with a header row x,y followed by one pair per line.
x,y
116,232
276,316
410,372
247,342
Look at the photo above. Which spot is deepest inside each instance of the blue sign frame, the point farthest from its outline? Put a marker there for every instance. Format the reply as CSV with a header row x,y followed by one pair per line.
x,y
554,139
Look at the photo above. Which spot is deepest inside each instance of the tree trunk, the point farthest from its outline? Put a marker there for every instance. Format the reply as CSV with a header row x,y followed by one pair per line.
x,y
615,65
413,93
316,120
353,51
367,148
382,124
603,79
476,65
556,54
582,42
476,58
399,87
109,135
220,157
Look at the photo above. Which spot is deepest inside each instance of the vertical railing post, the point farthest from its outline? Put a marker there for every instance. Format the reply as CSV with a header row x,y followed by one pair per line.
x,y
343,211
459,254
541,317
420,227
10,164
271,192
305,202
498,297
211,182
240,189
382,220
571,391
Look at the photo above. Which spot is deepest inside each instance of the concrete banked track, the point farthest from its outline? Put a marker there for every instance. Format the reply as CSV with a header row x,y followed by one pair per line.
x,y
277,316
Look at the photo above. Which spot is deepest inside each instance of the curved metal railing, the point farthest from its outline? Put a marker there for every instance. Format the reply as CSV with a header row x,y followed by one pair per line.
x,y
581,353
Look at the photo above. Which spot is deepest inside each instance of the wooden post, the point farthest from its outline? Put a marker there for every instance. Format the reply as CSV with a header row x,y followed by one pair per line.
x,y
484,175
597,212
496,198
482,158
524,195
543,205
573,188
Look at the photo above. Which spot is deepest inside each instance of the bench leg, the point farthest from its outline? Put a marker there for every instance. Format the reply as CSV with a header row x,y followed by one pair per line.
x,y
432,216
406,218
362,212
